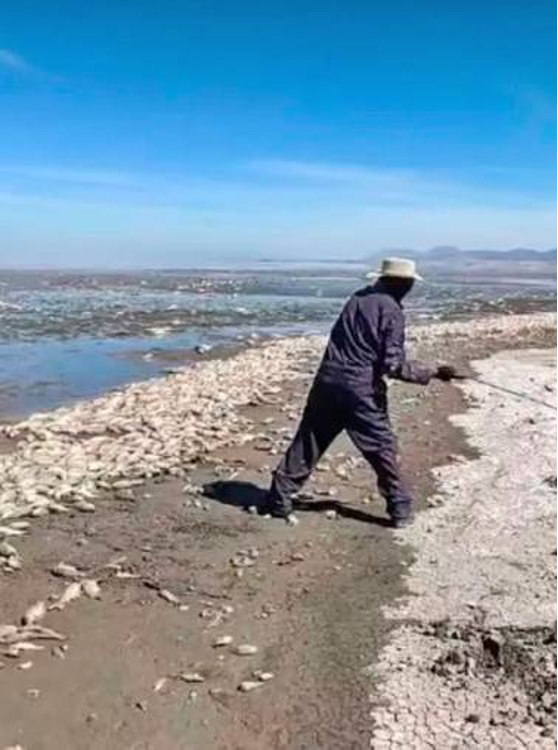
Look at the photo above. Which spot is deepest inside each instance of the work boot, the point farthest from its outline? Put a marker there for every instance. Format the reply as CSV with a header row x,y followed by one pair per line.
x,y
277,509
402,522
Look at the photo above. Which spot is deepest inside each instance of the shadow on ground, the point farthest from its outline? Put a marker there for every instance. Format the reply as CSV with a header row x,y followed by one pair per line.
x,y
247,494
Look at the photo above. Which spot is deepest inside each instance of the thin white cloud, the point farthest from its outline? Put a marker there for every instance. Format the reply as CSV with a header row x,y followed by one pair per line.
x,y
73,175
277,206
389,182
283,184
15,62
391,185
18,65
325,172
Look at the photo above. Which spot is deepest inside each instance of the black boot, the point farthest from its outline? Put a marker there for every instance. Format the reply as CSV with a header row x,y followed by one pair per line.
x,y
402,522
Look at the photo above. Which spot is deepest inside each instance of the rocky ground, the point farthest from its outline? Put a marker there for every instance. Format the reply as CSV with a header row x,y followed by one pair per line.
x,y
142,607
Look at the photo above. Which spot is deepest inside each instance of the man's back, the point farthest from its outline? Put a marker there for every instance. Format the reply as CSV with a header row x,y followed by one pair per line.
x,y
356,348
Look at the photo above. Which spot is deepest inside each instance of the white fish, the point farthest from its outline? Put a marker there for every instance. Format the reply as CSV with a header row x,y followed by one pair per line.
x,y
168,596
16,648
247,685
160,684
7,550
224,640
91,588
64,570
85,506
11,531
191,677
34,613
70,593
263,676
7,632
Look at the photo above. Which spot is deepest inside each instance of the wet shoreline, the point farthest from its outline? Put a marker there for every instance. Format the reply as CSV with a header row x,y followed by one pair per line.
x,y
43,374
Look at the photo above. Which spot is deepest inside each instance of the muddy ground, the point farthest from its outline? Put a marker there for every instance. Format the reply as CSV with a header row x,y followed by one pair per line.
x,y
309,598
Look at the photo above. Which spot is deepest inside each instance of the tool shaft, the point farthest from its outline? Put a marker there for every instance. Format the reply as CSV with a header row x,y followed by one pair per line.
x,y
517,394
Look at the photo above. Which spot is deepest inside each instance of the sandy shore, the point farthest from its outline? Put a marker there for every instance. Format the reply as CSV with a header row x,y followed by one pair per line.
x,y
476,668
115,488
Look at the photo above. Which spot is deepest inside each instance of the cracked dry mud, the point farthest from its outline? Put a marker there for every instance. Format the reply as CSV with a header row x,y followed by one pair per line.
x,y
473,662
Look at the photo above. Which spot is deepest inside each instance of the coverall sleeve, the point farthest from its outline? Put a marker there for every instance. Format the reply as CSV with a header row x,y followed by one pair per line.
x,y
396,365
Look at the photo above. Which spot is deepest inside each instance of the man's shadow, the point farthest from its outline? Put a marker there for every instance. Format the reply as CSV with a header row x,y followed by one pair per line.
x,y
247,494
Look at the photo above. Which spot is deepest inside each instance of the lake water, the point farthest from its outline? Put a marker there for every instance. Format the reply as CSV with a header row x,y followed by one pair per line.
x,y
71,335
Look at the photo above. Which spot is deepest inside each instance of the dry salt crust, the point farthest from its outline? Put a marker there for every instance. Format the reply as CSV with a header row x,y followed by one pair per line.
x,y
71,456
486,551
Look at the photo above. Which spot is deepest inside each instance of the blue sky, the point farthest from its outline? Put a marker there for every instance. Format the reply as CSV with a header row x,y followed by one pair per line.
x,y
165,133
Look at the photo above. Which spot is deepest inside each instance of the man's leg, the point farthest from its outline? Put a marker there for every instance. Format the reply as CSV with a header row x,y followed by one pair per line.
x,y
319,426
371,432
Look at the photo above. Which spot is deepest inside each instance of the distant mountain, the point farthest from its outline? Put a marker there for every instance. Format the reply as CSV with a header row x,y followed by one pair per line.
x,y
450,253
452,263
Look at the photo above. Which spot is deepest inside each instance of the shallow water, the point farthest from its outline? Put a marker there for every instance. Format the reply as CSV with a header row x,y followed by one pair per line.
x,y
71,335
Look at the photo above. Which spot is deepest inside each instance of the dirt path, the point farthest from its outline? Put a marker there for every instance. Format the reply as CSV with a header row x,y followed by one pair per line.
x,y
308,598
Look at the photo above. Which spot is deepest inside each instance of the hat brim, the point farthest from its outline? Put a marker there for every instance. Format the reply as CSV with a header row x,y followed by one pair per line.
x,y
380,275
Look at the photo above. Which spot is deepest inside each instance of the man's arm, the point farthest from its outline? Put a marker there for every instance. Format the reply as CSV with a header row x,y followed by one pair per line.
x,y
396,365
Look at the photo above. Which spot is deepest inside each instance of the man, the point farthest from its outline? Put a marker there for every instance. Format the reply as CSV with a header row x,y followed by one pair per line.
x,y
367,344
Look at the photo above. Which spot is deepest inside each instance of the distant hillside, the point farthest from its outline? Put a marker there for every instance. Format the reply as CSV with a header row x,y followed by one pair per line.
x,y
451,253
452,262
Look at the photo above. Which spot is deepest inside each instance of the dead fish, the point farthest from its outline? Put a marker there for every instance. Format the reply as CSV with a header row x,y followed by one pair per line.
x,y
60,651
25,665
224,640
20,525
247,685
245,649
263,676
10,531
91,588
63,570
38,632
84,506
16,648
191,677
8,550
70,593
160,684
13,563
168,596
7,631
34,613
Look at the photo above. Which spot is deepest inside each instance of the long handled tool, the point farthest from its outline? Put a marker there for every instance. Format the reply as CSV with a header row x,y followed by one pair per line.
x,y
517,394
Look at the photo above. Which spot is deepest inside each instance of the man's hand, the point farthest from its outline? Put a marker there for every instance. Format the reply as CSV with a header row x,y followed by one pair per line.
x,y
446,373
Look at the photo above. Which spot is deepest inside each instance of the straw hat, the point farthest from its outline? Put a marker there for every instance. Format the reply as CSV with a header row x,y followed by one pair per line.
x,y
400,268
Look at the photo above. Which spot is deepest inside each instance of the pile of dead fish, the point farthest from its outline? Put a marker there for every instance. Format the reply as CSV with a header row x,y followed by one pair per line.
x,y
72,456
21,639
486,328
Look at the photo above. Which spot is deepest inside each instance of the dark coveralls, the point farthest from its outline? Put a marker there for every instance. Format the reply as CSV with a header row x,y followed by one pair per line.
x,y
349,393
